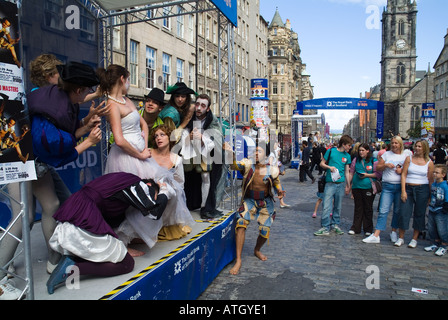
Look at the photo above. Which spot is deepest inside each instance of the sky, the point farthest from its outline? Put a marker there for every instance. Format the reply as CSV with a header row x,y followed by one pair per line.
x,y
341,43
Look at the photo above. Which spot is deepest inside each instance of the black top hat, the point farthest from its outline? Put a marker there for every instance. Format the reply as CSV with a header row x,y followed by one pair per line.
x,y
157,95
180,88
78,73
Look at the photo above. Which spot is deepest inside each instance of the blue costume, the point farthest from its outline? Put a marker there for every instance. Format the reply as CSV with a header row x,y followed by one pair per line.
x,y
54,121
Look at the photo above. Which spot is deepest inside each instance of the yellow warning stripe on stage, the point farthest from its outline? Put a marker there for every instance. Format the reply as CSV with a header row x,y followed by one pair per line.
x,y
145,271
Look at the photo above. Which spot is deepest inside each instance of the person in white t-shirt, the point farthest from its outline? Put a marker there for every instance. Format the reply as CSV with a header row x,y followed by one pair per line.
x,y
391,163
416,179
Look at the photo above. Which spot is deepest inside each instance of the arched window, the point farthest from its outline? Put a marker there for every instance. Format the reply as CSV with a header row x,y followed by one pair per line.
x,y
401,28
401,73
415,116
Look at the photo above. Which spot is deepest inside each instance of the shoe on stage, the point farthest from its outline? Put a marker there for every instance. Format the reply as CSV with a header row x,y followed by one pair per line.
x,y
59,274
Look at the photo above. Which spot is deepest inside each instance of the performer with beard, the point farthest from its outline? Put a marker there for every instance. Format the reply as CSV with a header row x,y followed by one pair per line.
x,y
202,151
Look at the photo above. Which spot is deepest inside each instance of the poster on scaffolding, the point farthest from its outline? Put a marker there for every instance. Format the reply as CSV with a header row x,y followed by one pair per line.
x,y
16,149
428,122
260,116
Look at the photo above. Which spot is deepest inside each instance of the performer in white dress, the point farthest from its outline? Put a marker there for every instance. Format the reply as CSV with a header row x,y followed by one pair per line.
x,y
130,154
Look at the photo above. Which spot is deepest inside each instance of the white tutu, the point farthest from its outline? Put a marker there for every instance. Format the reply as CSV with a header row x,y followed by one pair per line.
x,y
176,211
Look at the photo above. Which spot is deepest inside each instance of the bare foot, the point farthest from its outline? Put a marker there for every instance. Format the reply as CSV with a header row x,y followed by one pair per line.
x,y
135,253
260,256
236,268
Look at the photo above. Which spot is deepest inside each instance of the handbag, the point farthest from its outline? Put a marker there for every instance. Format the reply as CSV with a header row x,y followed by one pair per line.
x,y
321,183
323,179
377,186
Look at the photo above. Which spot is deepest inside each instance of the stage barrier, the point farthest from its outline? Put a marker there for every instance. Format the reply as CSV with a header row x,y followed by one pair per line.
x,y
187,271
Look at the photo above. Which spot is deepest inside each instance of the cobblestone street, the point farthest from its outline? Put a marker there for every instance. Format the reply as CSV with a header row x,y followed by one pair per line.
x,y
303,266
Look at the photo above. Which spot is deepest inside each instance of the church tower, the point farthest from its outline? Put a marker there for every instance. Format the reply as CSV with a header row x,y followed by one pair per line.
x,y
398,58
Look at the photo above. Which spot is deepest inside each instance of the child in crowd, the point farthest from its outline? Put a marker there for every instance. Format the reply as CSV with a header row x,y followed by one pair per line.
x,y
320,197
320,194
438,212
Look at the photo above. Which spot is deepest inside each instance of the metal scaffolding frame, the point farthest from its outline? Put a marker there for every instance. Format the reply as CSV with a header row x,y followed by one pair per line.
x,y
106,22
18,194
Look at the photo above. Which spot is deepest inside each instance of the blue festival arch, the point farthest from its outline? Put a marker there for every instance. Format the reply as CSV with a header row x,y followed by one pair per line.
x,y
346,104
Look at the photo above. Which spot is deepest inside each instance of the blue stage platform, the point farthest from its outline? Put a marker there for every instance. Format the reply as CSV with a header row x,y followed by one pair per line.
x,y
172,270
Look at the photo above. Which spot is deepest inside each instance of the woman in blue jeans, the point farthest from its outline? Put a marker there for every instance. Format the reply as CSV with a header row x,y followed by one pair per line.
x,y
391,163
416,178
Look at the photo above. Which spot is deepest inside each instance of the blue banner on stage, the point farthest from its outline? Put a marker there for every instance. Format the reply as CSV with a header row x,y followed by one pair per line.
x,y
186,272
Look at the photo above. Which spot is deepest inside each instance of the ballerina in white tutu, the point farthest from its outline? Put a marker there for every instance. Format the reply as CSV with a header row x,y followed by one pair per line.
x,y
130,153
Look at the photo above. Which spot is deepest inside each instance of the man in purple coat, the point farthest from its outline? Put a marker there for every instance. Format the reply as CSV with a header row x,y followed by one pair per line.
x,y
86,220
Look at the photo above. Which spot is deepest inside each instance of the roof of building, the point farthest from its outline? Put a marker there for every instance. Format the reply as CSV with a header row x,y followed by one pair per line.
x,y
277,20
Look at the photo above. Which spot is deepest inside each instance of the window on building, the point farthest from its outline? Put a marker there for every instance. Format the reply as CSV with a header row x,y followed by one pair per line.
x,y
150,67
166,69
401,28
207,27
180,70
180,22
274,107
282,108
87,25
200,24
215,32
215,67
191,28
274,88
166,20
191,75
200,61
54,14
207,65
415,116
133,61
401,73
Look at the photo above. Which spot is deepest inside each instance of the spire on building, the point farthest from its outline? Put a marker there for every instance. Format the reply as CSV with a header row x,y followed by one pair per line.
x,y
277,20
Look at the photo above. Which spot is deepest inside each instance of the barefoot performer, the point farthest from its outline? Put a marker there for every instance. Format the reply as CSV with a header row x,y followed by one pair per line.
x,y
257,201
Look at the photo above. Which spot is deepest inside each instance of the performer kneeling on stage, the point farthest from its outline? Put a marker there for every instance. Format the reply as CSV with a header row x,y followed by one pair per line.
x,y
85,232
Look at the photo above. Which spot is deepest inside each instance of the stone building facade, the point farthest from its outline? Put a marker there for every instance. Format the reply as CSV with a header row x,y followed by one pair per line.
x,y
441,93
288,80
164,51
398,59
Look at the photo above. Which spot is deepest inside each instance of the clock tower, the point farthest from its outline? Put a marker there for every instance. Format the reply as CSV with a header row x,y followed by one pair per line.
x,y
398,58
